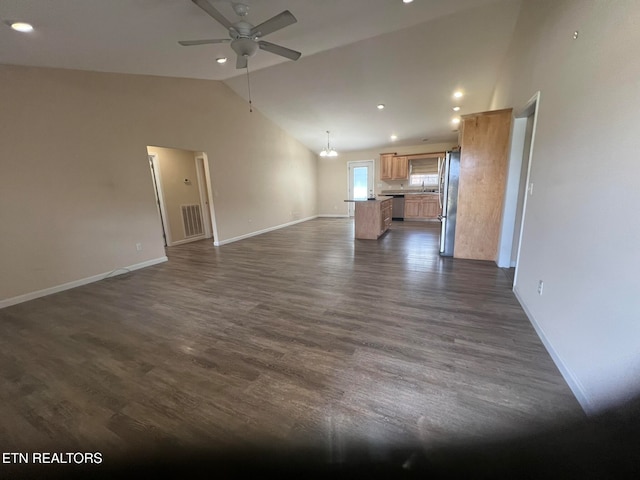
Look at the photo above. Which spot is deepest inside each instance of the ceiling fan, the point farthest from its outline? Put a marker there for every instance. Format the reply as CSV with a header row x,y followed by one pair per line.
x,y
245,38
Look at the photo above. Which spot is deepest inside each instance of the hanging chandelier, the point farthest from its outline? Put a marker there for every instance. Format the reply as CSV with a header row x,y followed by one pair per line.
x,y
328,151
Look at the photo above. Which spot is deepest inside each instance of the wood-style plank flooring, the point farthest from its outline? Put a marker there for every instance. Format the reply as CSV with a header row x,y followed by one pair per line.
x,y
298,336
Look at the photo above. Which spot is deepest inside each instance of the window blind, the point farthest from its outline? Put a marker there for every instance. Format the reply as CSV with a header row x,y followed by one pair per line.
x,y
424,166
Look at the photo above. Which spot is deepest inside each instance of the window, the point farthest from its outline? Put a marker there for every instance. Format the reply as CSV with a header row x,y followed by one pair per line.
x,y
424,171
418,179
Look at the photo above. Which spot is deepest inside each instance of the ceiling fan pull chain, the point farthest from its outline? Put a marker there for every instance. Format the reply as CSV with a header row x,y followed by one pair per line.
x,y
249,88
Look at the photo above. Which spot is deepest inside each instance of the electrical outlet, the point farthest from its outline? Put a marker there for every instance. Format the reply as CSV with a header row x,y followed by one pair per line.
x,y
139,247
540,287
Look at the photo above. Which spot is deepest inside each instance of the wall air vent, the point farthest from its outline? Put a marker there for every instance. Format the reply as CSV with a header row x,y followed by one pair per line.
x,y
192,221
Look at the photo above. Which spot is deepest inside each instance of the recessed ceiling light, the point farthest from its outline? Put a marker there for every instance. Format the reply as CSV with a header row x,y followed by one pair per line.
x,y
394,137
407,1
455,120
22,27
456,109
457,94
221,59
381,106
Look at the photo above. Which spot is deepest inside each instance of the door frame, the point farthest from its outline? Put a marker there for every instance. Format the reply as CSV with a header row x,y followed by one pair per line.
x,y
371,164
160,202
203,190
518,159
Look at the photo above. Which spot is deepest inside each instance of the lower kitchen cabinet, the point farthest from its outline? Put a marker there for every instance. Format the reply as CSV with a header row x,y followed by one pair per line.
x,y
372,218
421,207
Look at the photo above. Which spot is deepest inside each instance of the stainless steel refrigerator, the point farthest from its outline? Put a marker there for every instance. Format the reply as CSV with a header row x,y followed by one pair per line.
x,y
449,177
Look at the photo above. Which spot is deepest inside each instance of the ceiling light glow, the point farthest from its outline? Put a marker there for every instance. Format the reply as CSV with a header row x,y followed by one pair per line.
x,y
407,1
394,137
457,94
380,106
221,60
22,27
455,120
456,109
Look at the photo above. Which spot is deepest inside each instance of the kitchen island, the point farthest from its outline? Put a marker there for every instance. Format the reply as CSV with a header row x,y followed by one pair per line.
x,y
372,217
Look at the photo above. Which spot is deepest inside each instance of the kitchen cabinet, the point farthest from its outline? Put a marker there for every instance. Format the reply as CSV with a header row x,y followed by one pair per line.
x,y
484,142
372,218
394,167
386,160
400,168
421,207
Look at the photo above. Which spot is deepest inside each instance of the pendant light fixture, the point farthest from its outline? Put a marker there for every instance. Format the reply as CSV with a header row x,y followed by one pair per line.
x,y
328,151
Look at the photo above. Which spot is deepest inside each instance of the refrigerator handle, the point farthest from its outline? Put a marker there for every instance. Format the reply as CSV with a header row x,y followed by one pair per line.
x,y
440,171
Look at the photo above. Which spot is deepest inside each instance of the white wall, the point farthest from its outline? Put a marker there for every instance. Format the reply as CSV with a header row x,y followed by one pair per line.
x,y
76,190
581,234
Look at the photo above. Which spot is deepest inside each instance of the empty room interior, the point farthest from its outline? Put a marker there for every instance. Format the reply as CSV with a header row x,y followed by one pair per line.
x,y
390,235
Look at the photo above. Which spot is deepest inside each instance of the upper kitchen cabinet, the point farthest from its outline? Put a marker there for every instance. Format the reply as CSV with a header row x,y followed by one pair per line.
x,y
400,168
484,142
386,162
393,167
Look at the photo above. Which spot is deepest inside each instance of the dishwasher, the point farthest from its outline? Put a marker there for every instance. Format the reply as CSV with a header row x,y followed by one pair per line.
x,y
397,212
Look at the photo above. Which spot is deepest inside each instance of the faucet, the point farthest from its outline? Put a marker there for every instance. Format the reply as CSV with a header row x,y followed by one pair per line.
x,y
423,185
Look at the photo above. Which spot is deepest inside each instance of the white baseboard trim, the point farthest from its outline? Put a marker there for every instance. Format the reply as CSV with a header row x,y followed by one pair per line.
x,y
260,232
77,283
329,215
574,384
188,240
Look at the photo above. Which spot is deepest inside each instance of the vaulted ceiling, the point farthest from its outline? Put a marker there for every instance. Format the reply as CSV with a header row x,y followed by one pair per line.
x,y
355,55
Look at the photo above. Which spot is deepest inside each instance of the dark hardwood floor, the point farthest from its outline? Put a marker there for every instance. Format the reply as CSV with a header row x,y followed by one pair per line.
x,y
301,336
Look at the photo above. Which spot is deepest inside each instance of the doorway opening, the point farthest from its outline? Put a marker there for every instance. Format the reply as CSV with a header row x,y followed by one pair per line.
x,y
519,186
182,185
360,182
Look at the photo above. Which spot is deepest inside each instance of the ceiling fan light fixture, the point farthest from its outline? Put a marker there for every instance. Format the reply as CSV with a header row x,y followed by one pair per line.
x,y
244,37
244,47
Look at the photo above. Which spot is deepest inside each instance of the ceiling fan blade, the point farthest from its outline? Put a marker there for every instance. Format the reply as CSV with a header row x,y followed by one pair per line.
x,y
242,61
281,20
207,7
279,50
188,43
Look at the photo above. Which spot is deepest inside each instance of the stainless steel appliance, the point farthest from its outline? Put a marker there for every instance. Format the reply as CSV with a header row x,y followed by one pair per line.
x,y
397,212
448,179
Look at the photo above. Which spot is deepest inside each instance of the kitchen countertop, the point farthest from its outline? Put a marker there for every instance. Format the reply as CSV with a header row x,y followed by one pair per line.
x,y
372,200
408,192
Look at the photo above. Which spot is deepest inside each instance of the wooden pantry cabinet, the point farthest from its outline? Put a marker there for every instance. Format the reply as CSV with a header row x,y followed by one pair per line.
x,y
484,143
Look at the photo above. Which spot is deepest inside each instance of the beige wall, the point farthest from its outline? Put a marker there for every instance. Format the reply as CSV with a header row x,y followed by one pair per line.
x,y
333,181
176,166
581,232
76,189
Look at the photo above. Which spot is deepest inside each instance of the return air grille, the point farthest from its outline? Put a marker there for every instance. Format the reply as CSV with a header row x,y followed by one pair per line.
x,y
192,220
